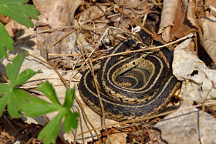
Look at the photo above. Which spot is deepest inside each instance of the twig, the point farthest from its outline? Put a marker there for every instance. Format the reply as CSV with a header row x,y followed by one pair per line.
x,y
144,48
81,128
99,96
148,118
198,127
65,84
132,51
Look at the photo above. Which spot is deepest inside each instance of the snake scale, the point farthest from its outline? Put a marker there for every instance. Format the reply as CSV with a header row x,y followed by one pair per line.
x,y
132,85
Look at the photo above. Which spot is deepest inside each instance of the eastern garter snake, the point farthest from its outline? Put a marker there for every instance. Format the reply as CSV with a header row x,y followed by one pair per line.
x,y
132,85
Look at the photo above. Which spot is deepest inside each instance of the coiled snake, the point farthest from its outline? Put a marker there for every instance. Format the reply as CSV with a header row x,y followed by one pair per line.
x,y
132,85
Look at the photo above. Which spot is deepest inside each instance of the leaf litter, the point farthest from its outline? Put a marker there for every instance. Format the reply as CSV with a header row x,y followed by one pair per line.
x,y
69,33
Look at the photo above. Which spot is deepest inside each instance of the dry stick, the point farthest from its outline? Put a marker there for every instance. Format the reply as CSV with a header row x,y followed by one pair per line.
x,y
91,66
100,40
86,123
61,38
73,68
122,53
150,117
99,96
98,93
134,120
56,54
60,28
81,128
66,85
198,127
134,51
95,81
145,49
84,114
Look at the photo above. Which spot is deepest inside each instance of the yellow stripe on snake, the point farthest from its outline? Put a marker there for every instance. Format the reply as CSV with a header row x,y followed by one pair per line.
x,y
131,86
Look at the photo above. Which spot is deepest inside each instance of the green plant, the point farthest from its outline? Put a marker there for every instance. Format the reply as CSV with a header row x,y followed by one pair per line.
x,y
11,95
20,11
20,102
39,107
6,43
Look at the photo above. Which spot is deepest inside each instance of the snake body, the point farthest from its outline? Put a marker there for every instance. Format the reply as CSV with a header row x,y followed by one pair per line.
x,y
132,85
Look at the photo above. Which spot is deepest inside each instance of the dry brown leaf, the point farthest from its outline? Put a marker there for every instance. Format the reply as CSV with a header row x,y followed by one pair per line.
x,y
167,18
187,66
4,19
180,27
188,126
57,13
173,20
131,3
209,36
191,13
210,3
118,138
91,13
87,17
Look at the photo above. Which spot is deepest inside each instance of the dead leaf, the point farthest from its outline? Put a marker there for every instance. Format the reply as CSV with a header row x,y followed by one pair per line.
x,y
209,35
181,27
167,18
188,67
131,3
210,3
118,138
90,14
191,13
57,13
188,125
4,19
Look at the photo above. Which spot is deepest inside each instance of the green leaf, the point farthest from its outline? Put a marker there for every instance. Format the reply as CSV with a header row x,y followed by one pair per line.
x,y
19,10
3,102
17,98
4,88
50,132
37,107
12,69
24,76
69,97
13,105
70,121
22,96
6,43
47,89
